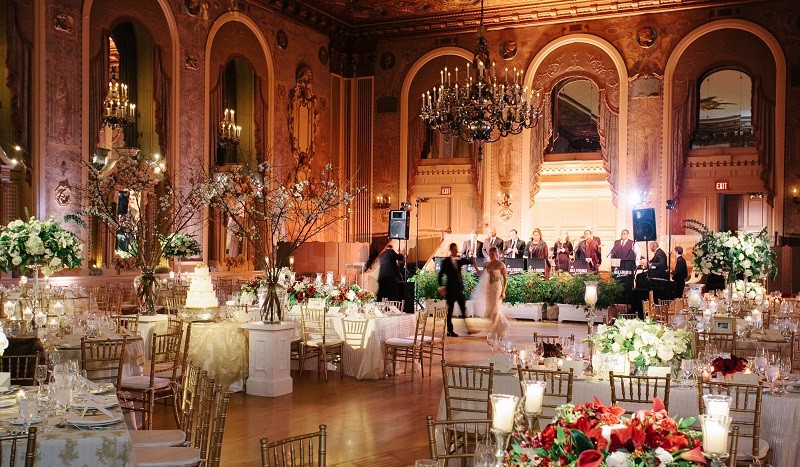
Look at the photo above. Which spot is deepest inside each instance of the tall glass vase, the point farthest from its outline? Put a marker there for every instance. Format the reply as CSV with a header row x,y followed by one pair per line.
x,y
271,311
729,289
147,290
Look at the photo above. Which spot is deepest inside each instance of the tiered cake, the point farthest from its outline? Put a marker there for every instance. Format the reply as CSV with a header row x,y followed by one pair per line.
x,y
201,291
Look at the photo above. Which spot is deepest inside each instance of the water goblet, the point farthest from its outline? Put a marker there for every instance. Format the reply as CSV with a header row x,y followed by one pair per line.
x,y
761,362
41,375
492,339
62,393
28,410
501,343
687,371
773,374
484,454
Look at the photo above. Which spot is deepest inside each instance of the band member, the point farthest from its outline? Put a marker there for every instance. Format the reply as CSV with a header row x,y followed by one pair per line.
x,y
492,241
624,248
453,289
562,251
589,250
680,273
473,248
514,248
658,263
537,248
389,276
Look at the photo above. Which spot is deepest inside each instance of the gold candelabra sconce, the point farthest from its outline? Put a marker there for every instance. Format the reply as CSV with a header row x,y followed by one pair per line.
x,y
382,202
504,201
795,192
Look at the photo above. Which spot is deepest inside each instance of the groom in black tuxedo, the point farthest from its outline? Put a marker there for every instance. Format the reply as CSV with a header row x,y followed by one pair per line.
x,y
453,290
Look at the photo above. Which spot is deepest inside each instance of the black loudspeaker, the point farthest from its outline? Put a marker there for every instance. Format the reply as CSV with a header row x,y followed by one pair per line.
x,y
123,198
408,297
644,225
398,225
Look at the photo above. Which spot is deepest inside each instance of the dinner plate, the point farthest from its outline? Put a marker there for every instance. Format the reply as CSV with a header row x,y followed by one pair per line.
x,y
19,421
102,388
7,403
104,402
98,419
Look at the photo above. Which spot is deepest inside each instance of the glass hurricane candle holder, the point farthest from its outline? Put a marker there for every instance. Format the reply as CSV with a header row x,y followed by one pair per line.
x,y
715,438
590,297
504,406
717,404
534,398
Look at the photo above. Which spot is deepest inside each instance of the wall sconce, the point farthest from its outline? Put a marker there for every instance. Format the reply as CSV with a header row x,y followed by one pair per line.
x,y
504,201
382,202
795,194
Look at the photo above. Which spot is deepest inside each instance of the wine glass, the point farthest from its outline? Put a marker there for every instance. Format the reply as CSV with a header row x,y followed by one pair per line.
x,y
687,371
761,362
28,410
785,365
773,374
484,455
580,351
41,375
492,339
501,343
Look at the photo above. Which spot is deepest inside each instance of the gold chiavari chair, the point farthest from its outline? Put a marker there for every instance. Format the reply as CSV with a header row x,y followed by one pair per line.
x,y
433,342
21,367
638,392
447,442
173,303
745,412
317,343
297,451
103,359
647,309
554,339
392,303
467,390
129,323
714,341
557,390
406,349
795,351
10,444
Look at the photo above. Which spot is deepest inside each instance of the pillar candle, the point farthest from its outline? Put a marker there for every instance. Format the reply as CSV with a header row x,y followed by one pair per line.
x,y
503,415
534,395
715,437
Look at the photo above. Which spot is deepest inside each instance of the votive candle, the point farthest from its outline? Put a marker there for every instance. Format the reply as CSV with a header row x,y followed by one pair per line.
x,y
503,412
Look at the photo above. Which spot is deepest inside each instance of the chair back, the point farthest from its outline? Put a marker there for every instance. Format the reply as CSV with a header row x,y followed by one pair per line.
x,y
217,426
297,451
456,439
554,339
11,444
745,410
313,323
467,390
637,392
355,332
21,367
189,387
103,359
385,304
165,356
557,390
661,313
173,302
714,341
316,303
174,324
202,422
128,322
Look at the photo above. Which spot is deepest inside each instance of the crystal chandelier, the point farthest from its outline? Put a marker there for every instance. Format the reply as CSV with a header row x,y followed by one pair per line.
x,y
229,131
480,108
117,109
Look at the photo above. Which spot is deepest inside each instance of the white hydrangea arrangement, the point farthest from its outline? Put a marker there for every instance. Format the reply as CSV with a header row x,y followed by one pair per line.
x,y
645,343
744,253
39,244
754,290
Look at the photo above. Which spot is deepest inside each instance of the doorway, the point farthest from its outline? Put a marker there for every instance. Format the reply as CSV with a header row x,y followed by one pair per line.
x,y
746,212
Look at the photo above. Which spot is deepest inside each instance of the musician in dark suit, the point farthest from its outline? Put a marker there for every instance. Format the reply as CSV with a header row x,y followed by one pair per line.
x,y
453,290
389,276
658,263
492,241
514,248
473,248
589,250
624,248
680,273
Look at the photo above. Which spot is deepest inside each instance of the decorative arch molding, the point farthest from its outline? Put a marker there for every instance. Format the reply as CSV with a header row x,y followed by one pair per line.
x,y
601,63
235,16
779,142
172,26
405,108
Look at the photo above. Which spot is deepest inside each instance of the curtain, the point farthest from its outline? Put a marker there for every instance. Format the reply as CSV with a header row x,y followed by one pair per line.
x,y
98,88
259,119
684,118
215,116
161,91
608,130
541,135
18,62
764,134
416,141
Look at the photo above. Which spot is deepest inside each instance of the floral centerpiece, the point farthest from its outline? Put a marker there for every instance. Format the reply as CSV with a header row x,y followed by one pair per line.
x,y
181,245
36,244
743,290
645,343
352,293
729,366
745,254
592,435
552,350
299,291
248,292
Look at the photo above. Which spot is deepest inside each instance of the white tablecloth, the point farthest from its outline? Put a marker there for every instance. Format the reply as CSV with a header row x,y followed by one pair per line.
x,y
780,416
364,359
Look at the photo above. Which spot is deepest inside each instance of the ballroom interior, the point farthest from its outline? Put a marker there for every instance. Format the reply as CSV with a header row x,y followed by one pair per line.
x,y
686,107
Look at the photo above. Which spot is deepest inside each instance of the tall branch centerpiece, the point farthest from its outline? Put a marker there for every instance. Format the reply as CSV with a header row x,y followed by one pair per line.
x,y
156,209
276,210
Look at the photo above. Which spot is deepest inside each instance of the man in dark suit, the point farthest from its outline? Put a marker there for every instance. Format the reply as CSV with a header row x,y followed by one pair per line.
x,y
624,249
473,248
453,290
492,241
515,247
389,276
680,273
658,263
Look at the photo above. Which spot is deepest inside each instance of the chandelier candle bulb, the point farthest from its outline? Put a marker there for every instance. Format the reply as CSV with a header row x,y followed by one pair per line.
x,y
8,308
58,308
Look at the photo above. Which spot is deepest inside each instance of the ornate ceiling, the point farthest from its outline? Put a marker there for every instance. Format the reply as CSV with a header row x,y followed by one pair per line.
x,y
417,17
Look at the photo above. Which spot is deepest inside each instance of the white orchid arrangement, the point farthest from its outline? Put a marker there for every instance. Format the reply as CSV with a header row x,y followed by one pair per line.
x,y
645,343
744,253
39,244
181,245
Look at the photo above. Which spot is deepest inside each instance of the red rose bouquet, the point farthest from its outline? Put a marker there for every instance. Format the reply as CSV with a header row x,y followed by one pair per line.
x,y
592,435
729,366
552,350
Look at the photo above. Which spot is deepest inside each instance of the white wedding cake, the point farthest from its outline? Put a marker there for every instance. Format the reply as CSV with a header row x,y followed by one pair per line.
x,y
201,291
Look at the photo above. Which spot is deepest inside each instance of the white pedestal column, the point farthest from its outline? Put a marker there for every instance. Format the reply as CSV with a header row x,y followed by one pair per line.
x,y
146,325
269,358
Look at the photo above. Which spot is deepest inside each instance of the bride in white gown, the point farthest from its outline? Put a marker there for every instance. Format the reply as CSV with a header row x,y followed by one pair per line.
x,y
487,298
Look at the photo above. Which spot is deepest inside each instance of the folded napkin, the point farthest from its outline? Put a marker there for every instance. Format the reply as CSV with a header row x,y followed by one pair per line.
x,y
95,402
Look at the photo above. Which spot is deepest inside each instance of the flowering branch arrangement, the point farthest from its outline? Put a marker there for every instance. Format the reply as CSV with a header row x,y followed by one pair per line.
x,y
645,343
745,253
729,366
39,244
593,435
181,245
276,211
